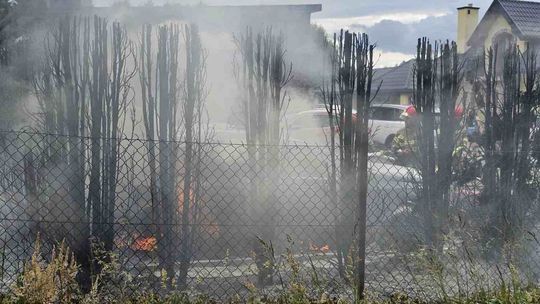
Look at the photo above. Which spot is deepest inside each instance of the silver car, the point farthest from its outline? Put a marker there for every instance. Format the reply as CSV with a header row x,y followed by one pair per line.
x,y
385,121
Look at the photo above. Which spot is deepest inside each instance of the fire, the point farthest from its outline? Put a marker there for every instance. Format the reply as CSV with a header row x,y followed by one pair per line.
x,y
144,244
205,221
323,249
181,197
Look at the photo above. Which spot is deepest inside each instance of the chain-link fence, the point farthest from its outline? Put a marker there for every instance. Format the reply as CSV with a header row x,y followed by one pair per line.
x,y
67,188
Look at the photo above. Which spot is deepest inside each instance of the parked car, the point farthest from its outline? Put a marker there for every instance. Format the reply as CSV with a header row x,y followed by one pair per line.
x,y
385,121
313,125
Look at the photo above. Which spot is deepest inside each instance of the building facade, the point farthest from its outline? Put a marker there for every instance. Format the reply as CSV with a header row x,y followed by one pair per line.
x,y
505,22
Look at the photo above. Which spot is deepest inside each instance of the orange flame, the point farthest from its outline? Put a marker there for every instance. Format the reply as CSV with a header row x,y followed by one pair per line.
x,y
181,197
144,244
207,222
323,249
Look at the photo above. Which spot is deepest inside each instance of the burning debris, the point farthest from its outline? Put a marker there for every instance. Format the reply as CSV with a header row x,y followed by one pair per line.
x,y
148,244
316,249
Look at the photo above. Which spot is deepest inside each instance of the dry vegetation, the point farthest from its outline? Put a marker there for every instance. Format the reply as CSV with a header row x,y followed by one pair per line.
x,y
53,280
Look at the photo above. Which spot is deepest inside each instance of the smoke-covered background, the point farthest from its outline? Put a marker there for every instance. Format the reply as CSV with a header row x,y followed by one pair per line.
x,y
393,24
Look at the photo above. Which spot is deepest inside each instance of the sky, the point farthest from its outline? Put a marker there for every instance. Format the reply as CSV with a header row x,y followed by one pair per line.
x,y
394,25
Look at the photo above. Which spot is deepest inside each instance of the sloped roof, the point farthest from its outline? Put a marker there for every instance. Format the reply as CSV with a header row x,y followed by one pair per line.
x,y
395,79
523,16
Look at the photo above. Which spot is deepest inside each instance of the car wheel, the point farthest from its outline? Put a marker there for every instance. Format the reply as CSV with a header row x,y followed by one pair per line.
x,y
389,142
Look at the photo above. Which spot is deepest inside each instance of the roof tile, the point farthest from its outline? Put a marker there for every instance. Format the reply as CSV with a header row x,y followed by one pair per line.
x,y
525,15
399,78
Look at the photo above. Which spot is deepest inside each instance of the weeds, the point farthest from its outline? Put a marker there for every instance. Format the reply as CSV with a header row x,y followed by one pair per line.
x,y
111,284
54,281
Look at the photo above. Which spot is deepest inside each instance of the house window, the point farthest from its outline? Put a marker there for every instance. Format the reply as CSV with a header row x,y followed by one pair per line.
x,y
502,42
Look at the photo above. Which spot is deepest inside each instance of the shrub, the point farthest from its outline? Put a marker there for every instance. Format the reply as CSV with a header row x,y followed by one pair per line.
x,y
52,282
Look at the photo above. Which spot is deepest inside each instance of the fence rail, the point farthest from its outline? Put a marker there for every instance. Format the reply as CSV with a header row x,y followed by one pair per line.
x,y
46,181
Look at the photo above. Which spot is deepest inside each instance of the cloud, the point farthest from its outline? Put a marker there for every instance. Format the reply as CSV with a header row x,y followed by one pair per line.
x,y
351,8
398,33
389,59
333,25
397,36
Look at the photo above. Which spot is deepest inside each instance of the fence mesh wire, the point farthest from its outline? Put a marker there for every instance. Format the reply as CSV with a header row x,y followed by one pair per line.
x,y
46,189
